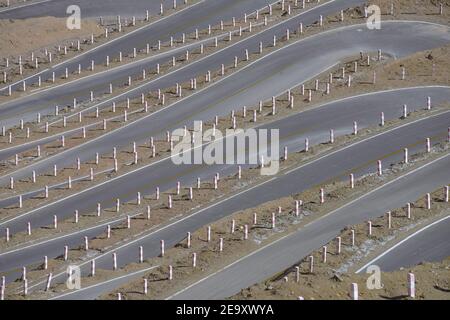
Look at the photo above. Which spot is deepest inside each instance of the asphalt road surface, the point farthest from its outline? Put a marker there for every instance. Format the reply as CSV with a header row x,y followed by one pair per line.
x,y
89,8
339,115
314,124
429,244
358,158
258,81
186,21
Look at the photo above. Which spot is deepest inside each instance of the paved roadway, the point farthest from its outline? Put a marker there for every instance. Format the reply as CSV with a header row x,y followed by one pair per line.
x,y
44,101
291,249
260,80
428,244
198,15
314,124
358,158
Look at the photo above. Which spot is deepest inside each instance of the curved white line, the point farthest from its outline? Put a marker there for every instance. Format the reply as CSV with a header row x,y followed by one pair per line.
x,y
400,243
104,44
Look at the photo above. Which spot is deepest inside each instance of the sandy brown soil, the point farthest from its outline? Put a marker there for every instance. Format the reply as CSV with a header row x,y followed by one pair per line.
x,y
56,47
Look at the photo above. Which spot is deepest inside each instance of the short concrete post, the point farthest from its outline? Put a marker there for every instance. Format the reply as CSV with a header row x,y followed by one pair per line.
x,y
311,264
169,202
49,281
273,220
389,219
138,198
45,264
92,268
145,286
354,291
25,287
324,254
141,254
114,257
208,234
170,272
339,243
188,239
162,248
408,210
194,260
411,285
2,288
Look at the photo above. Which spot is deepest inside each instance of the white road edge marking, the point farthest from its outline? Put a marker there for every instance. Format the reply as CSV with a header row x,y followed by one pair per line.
x,y
105,282
164,159
315,221
23,6
262,183
401,242
177,102
103,44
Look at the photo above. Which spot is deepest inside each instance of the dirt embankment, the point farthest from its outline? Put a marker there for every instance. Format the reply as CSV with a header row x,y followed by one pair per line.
x,y
21,36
